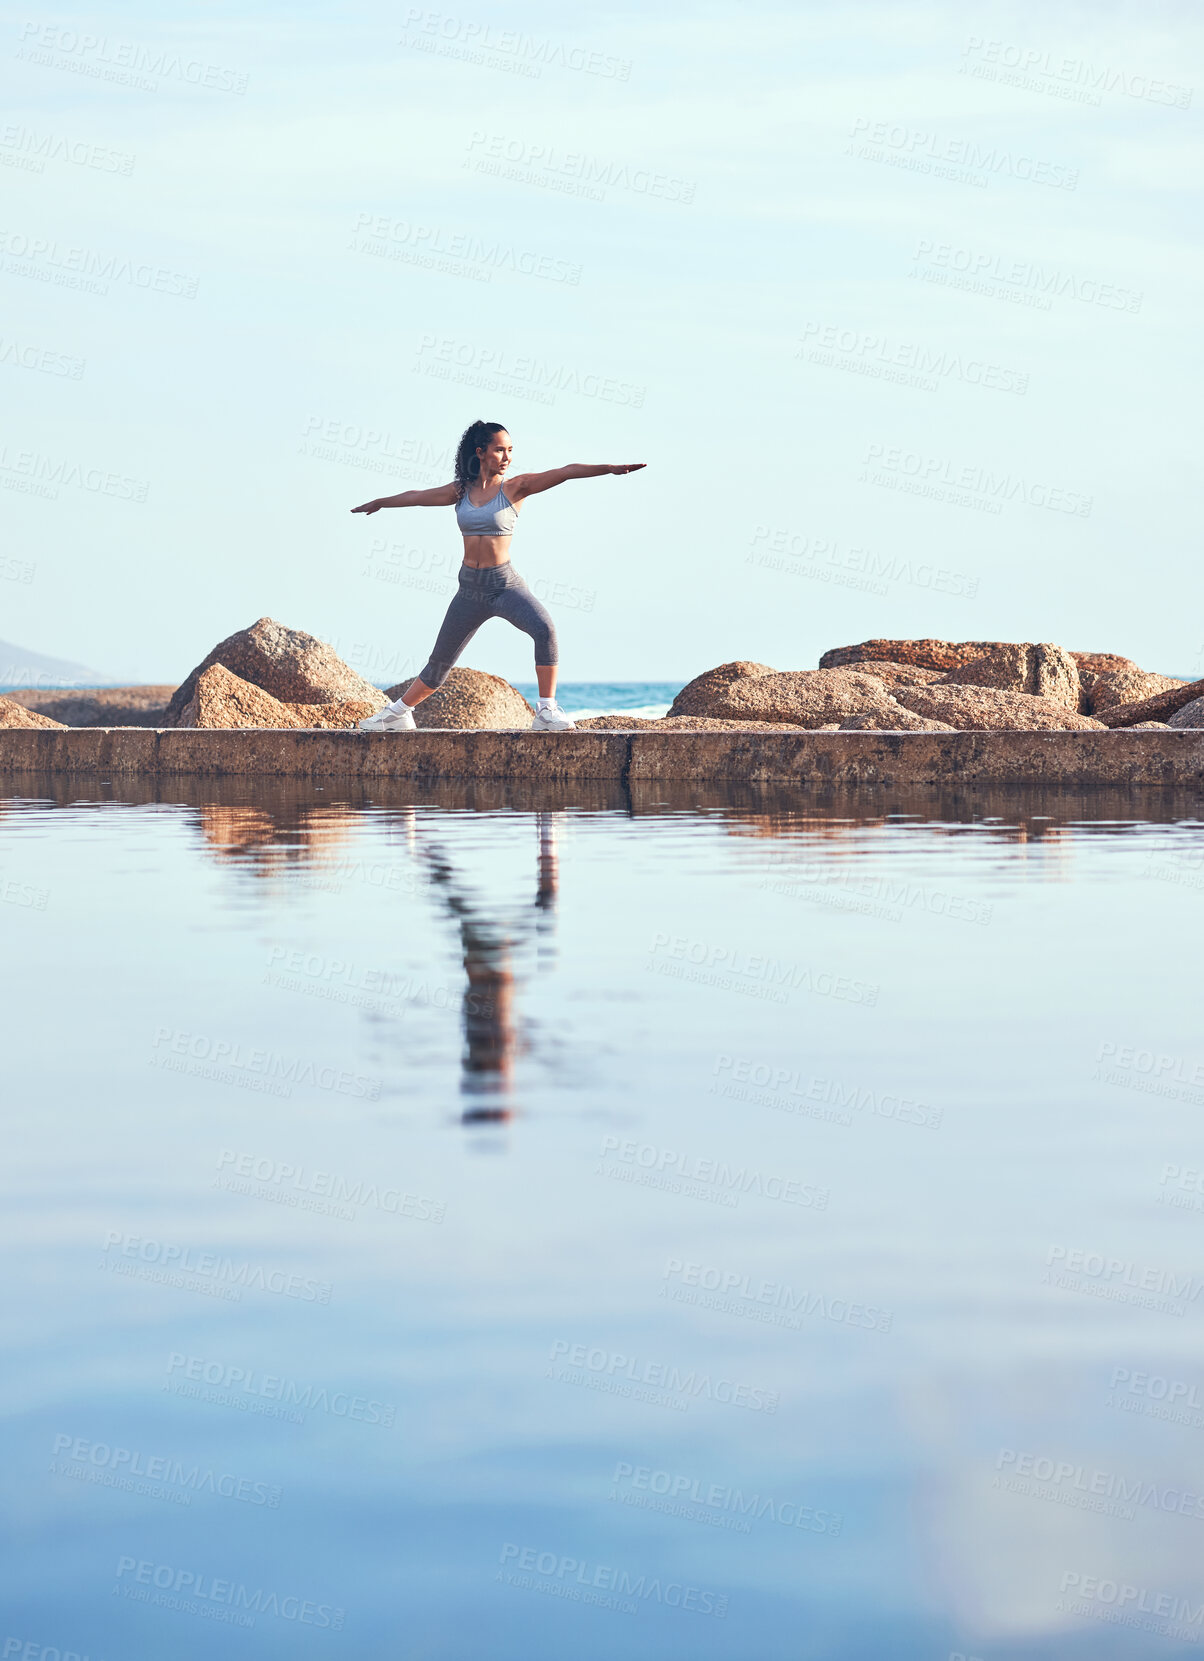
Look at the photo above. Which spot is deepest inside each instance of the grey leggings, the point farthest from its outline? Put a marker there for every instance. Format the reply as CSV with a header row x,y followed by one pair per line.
x,y
492,591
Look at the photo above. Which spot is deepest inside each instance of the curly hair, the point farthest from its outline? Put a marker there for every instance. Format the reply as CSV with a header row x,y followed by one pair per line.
x,y
468,463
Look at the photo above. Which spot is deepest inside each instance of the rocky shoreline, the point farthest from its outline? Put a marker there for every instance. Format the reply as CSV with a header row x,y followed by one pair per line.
x,y
271,678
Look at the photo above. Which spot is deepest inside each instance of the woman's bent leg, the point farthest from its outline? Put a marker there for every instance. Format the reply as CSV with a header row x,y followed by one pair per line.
x,y
519,606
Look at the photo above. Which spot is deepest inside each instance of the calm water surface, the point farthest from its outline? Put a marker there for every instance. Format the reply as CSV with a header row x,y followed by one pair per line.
x,y
557,1228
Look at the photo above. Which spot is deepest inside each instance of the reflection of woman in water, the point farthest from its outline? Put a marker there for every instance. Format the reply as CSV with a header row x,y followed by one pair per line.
x,y
490,1027
487,499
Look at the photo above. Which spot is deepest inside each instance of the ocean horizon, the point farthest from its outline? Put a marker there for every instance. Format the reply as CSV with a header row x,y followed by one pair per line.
x,y
649,699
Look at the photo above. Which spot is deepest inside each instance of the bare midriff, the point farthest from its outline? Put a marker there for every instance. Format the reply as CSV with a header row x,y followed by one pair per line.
x,y
481,552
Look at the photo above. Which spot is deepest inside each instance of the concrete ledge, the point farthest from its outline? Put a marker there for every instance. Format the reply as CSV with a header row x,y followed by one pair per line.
x,y
829,760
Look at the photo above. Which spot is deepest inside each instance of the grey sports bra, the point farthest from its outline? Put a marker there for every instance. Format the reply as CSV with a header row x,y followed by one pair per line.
x,y
493,518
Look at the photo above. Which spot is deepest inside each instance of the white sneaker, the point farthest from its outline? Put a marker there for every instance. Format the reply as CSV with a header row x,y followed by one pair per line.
x,y
389,720
552,719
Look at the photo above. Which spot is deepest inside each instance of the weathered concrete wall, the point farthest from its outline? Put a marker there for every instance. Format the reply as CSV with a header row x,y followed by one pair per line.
x,y
639,759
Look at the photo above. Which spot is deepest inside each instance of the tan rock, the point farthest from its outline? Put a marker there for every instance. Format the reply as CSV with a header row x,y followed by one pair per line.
x,y
1191,715
928,654
109,706
1127,686
290,665
900,674
988,709
698,695
471,699
332,717
1152,726
223,699
1158,708
802,697
680,723
13,714
1041,670
897,720
1101,663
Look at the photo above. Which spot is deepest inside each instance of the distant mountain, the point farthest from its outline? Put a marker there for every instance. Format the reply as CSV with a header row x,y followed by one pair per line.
x,y
21,668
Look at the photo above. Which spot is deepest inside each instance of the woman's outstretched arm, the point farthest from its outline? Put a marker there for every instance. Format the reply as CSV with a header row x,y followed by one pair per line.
x,y
530,484
443,496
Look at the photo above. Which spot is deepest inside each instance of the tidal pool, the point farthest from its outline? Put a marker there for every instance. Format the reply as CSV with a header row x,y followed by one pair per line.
x,y
540,1226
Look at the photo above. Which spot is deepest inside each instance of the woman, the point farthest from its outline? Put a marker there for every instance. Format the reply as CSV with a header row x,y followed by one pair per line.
x,y
487,508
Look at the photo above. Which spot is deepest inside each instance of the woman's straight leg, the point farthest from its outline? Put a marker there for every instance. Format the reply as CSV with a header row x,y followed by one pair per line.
x,y
464,617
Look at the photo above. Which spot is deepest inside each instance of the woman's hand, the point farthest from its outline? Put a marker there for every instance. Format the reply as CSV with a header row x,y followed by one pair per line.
x,y
628,467
367,507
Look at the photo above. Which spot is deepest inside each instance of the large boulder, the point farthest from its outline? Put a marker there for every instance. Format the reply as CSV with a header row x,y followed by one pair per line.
x,y
292,666
349,712
927,654
895,720
698,695
110,706
1042,670
899,674
470,698
223,699
1158,708
801,698
13,714
1101,663
1191,715
220,699
1127,686
988,709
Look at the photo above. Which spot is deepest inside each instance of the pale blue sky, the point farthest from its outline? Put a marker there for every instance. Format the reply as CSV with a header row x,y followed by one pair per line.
x,y
774,234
